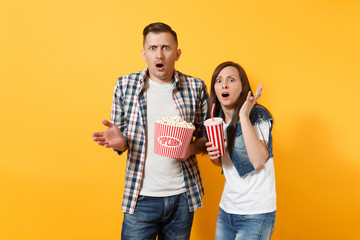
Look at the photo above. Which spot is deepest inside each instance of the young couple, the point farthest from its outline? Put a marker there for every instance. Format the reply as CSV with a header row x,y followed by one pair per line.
x,y
161,194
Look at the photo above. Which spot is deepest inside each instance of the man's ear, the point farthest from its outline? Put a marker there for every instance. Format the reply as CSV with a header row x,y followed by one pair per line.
x,y
143,55
178,53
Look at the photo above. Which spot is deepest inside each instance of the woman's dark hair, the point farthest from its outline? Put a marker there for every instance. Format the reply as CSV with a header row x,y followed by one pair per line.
x,y
242,98
158,28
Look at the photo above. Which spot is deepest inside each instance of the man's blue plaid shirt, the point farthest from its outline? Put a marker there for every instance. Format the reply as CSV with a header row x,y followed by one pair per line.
x,y
129,114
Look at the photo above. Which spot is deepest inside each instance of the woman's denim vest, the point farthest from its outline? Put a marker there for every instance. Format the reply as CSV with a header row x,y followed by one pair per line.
x,y
239,155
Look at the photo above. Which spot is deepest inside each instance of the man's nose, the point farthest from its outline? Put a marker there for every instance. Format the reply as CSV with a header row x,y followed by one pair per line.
x,y
159,53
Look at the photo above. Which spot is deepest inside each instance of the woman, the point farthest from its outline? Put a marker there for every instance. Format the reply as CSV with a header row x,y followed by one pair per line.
x,y
248,202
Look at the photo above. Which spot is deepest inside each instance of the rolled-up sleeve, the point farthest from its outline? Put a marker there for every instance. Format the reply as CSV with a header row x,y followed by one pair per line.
x,y
200,113
117,111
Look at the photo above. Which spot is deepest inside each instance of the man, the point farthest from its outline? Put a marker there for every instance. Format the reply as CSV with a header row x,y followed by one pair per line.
x,y
161,194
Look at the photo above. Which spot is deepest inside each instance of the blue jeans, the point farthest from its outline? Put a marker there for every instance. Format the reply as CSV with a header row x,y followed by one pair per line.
x,y
165,217
247,227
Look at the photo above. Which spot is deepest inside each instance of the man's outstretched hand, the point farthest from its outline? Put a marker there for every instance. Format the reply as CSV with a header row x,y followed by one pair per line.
x,y
111,137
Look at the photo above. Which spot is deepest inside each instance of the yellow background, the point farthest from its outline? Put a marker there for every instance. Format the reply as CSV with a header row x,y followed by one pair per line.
x,y
58,64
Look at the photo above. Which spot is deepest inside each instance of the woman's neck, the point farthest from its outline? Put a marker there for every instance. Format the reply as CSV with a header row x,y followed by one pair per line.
x,y
228,114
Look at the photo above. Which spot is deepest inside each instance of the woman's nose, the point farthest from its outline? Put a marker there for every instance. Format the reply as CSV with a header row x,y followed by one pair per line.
x,y
225,85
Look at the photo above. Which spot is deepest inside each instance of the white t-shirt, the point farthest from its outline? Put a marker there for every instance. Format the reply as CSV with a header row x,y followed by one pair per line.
x,y
254,193
163,176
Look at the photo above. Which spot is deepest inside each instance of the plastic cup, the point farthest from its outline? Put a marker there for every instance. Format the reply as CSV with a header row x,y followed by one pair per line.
x,y
171,141
215,133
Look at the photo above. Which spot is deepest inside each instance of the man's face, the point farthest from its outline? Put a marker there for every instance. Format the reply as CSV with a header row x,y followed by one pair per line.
x,y
160,52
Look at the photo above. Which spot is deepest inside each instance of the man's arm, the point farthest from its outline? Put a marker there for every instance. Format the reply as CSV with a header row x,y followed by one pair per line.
x,y
198,146
115,136
111,137
195,147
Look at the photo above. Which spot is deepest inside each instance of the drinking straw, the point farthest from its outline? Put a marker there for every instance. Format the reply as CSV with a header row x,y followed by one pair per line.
x,y
212,112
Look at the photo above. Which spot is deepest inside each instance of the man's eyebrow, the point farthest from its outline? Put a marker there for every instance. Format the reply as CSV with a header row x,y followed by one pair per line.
x,y
160,45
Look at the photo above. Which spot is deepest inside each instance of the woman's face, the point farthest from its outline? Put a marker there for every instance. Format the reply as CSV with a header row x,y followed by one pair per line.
x,y
228,87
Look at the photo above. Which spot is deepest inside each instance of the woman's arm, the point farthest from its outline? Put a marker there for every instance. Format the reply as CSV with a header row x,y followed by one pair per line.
x,y
255,147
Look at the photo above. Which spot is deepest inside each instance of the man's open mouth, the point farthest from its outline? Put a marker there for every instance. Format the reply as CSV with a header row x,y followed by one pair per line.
x,y
159,65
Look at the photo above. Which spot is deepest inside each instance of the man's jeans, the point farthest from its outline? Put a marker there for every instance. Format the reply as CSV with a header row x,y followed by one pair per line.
x,y
167,217
247,227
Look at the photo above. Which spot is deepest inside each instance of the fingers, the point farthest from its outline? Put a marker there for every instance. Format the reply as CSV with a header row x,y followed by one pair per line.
x,y
210,148
106,123
101,134
214,155
253,99
249,97
101,142
96,139
98,134
258,91
212,151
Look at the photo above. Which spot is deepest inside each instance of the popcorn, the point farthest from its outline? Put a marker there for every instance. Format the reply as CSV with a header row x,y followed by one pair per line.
x,y
172,137
175,121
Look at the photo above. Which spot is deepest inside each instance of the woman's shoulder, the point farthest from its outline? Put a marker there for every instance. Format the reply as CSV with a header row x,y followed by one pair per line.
x,y
259,113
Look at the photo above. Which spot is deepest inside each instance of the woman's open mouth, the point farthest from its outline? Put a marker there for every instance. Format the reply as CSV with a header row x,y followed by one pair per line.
x,y
225,95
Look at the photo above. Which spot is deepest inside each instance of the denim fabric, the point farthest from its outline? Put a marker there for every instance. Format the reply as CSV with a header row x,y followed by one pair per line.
x,y
244,227
239,155
166,217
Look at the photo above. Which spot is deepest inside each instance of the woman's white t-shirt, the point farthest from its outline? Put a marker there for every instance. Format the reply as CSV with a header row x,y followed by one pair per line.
x,y
254,193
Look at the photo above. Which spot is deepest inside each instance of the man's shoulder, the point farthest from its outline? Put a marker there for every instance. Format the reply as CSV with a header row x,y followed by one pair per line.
x,y
133,76
188,78
132,80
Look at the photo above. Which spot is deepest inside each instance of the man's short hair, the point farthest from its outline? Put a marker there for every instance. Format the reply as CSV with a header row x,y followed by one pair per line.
x,y
158,28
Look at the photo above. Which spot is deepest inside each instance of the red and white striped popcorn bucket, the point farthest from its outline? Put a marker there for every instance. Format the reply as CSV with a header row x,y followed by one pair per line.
x,y
215,132
171,141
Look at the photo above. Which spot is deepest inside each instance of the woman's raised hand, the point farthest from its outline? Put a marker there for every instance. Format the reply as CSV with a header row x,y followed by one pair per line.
x,y
250,102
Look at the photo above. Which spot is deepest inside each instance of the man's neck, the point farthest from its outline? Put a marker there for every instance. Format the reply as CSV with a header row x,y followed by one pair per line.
x,y
165,79
160,80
